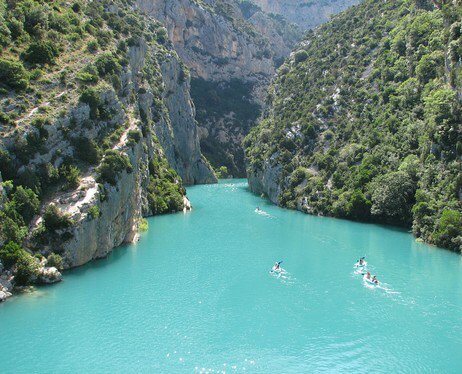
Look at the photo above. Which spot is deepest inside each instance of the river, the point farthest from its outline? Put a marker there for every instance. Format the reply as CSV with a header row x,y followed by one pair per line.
x,y
195,294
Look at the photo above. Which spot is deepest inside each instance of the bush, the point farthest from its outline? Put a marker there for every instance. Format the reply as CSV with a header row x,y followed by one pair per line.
x,y
55,260
26,202
135,135
11,229
26,269
91,97
449,227
16,28
92,46
41,52
87,150
113,164
165,192
86,77
35,18
71,175
300,56
94,212
428,66
359,206
6,165
13,74
54,220
10,253
393,197
161,35
222,172
143,225
107,64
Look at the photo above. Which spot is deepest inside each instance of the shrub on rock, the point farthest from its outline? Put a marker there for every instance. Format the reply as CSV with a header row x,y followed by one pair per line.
x,y
13,74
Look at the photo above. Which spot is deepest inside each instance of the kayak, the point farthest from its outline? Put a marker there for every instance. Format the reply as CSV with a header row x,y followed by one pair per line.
x,y
277,272
358,265
370,281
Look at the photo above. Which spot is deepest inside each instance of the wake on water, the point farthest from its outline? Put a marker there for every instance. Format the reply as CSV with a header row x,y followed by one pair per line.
x,y
361,271
283,276
263,213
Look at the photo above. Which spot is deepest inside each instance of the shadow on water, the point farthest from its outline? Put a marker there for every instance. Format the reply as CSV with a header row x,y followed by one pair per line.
x,y
116,255
383,226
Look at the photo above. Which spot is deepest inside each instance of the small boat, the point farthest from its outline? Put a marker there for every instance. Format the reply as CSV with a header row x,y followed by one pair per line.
x,y
274,270
371,281
363,265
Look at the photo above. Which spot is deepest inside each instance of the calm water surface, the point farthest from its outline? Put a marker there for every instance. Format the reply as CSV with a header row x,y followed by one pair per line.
x,y
196,294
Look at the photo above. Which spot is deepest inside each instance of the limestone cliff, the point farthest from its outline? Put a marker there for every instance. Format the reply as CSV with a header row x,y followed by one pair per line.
x,y
95,136
232,49
306,13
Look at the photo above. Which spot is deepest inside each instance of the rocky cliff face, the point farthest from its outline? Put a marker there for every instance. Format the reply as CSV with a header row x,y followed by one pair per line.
x,y
305,13
232,49
107,137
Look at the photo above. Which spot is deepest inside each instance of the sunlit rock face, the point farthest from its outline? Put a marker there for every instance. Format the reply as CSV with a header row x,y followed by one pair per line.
x,y
306,13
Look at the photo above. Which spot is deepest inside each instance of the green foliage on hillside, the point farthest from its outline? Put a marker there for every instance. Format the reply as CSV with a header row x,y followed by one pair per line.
x,y
165,191
112,165
369,107
60,60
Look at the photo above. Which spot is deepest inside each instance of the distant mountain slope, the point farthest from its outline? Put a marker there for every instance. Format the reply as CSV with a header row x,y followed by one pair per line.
x,y
364,121
305,13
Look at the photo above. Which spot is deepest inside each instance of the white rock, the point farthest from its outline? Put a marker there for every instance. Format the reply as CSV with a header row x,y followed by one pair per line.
x,y
50,275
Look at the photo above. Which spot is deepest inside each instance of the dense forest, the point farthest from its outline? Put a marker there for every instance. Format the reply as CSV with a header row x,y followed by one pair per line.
x,y
364,120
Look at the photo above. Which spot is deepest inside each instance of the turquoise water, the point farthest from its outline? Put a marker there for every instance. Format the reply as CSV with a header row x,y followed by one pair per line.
x,y
196,294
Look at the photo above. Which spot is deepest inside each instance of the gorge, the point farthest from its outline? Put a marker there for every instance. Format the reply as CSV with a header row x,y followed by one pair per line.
x,y
127,129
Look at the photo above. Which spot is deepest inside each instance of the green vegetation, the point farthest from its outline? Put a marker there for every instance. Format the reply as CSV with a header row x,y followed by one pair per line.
x,y
55,57
41,52
112,165
94,212
368,107
165,191
55,260
71,176
13,74
222,172
25,266
54,220
143,225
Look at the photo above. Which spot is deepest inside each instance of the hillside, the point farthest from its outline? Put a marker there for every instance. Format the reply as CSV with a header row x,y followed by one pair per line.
x,y
97,130
364,121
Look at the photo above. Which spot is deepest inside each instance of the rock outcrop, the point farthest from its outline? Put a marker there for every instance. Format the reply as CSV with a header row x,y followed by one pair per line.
x,y
6,283
48,274
266,181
